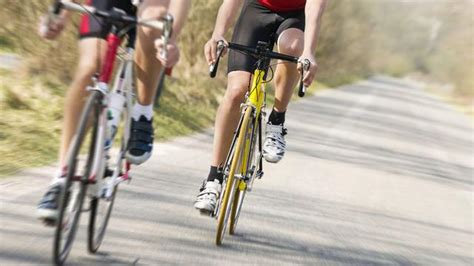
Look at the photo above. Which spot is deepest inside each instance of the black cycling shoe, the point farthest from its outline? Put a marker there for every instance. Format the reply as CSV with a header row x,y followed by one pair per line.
x,y
47,209
140,144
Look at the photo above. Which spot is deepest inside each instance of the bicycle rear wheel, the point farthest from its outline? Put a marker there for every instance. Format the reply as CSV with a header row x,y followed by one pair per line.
x,y
100,203
231,183
237,206
78,170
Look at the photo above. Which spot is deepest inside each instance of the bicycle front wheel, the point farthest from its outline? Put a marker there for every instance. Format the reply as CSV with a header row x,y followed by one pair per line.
x,y
79,164
247,162
231,183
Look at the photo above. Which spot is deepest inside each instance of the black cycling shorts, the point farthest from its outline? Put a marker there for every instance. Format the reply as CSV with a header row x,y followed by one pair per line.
x,y
94,27
258,23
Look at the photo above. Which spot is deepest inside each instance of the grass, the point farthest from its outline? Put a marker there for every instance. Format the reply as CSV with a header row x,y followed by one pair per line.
x,y
30,124
6,45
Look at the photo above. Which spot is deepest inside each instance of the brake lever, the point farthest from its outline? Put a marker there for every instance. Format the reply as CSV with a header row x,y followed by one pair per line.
x,y
302,88
213,67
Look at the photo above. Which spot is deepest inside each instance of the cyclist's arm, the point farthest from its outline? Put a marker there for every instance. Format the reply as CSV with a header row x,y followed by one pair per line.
x,y
226,16
225,19
313,12
179,9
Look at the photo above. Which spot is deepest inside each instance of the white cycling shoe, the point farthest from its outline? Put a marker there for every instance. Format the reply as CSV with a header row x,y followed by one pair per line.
x,y
206,201
275,145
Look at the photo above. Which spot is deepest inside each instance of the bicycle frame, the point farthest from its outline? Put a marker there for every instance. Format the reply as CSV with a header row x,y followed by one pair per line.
x,y
113,43
256,101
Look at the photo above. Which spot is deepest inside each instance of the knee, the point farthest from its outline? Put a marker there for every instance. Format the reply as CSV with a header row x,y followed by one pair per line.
x,y
150,11
235,95
86,70
290,46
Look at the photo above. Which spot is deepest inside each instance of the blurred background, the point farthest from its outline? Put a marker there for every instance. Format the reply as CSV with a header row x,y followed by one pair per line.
x,y
430,41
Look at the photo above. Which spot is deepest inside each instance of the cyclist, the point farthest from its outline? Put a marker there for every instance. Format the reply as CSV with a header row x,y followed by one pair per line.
x,y
294,27
92,47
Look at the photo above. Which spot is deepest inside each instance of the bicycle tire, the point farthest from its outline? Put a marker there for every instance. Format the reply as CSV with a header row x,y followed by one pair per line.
x,y
241,190
100,207
90,111
236,208
95,238
230,186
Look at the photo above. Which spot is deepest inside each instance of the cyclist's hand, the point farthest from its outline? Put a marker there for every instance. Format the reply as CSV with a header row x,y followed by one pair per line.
x,y
210,49
51,29
313,67
172,53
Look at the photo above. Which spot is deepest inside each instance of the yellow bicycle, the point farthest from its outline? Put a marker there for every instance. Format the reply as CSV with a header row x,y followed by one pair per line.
x,y
244,162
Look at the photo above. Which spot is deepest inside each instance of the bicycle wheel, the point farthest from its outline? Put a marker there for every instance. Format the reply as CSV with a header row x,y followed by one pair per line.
x,y
101,209
79,167
231,183
237,206
101,204
245,165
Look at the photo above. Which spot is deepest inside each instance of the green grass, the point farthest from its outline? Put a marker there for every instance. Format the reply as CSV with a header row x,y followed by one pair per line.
x,y
6,45
29,124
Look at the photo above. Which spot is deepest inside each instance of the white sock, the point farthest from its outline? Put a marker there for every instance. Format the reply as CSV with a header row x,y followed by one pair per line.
x,y
139,110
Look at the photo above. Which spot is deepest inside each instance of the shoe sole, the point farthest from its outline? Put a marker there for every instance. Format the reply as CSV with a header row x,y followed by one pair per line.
x,y
272,159
137,160
205,210
47,215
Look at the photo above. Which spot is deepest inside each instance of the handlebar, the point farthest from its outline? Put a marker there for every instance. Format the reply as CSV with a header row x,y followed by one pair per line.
x,y
160,24
261,54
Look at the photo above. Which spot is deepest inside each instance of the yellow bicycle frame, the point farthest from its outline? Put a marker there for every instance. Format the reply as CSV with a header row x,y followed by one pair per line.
x,y
255,99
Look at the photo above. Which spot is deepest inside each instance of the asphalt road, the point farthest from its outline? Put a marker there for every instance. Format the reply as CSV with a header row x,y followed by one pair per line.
x,y
376,173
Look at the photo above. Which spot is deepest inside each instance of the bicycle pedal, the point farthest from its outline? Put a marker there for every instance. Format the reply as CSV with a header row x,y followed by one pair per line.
x,y
259,174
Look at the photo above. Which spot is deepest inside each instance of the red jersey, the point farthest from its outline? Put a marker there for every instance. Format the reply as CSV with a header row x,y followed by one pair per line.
x,y
283,5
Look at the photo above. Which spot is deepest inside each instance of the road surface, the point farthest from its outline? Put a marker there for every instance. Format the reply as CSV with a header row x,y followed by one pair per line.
x,y
376,173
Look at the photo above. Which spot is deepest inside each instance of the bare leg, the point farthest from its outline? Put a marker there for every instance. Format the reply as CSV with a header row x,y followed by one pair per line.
x,y
89,58
290,42
227,116
147,66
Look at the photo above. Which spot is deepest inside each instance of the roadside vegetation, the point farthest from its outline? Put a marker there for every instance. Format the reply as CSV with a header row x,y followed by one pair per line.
x,y
358,39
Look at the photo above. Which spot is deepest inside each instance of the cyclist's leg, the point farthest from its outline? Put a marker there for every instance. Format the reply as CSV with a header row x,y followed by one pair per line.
x,y
147,69
91,51
147,65
290,41
228,114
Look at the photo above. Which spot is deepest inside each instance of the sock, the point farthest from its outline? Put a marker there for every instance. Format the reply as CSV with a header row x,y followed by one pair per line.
x,y
215,173
145,110
277,118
